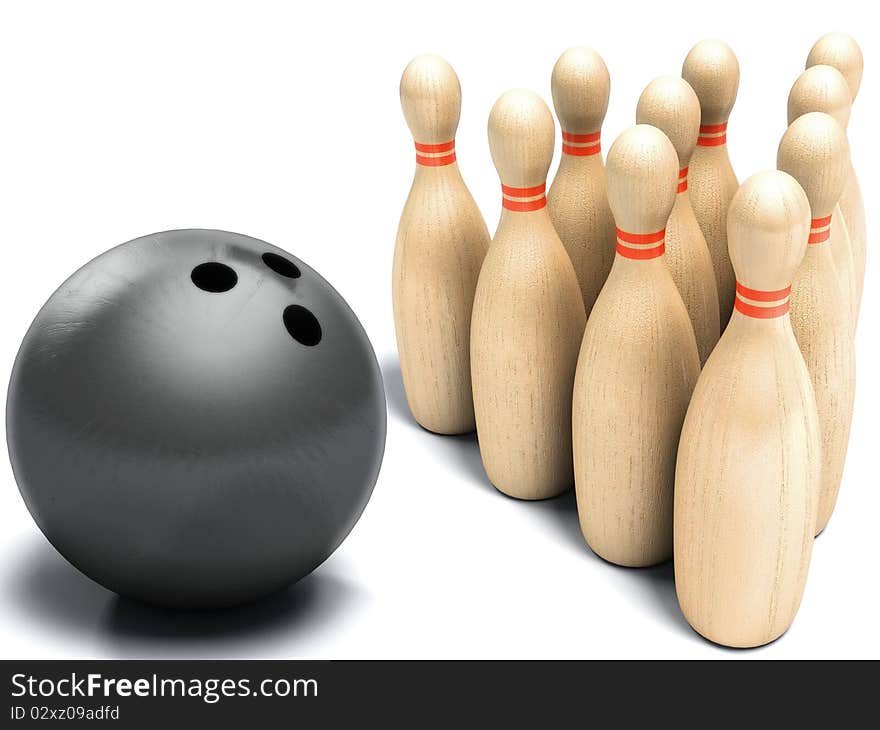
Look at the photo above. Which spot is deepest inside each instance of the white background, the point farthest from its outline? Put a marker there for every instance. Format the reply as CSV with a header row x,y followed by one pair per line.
x,y
282,121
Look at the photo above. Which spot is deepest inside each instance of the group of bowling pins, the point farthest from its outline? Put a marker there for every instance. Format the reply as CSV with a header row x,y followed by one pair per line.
x,y
677,345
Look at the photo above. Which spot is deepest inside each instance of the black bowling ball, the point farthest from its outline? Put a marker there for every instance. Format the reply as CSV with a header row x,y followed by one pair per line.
x,y
196,418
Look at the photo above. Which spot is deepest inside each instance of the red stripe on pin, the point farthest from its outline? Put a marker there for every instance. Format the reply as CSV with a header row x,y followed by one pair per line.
x,y
591,144
704,140
758,312
820,236
581,151
523,206
429,155
442,147
762,296
750,310
579,138
641,254
641,239
713,128
435,161
682,180
523,192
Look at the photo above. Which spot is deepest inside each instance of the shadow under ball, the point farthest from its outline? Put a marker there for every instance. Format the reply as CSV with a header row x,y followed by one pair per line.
x,y
196,419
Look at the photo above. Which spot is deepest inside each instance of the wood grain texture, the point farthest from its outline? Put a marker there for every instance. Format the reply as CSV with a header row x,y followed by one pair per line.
x,y
441,242
841,51
712,70
637,366
528,319
750,454
823,88
815,152
670,104
577,201
853,208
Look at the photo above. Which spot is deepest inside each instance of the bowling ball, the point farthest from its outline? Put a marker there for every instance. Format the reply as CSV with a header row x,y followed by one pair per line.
x,y
196,418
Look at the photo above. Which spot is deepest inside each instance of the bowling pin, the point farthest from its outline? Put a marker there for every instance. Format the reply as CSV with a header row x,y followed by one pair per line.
x,y
577,201
748,463
841,51
441,242
712,70
815,152
637,367
528,316
670,104
824,89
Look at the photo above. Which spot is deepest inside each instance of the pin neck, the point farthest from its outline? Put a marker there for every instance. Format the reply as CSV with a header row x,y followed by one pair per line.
x,y
682,179
435,155
523,200
760,304
820,230
712,135
641,246
581,145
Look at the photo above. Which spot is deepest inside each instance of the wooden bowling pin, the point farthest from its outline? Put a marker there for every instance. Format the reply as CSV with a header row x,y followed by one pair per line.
x,y
841,51
824,89
441,242
528,316
712,70
577,201
815,152
748,463
637,367
670,104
